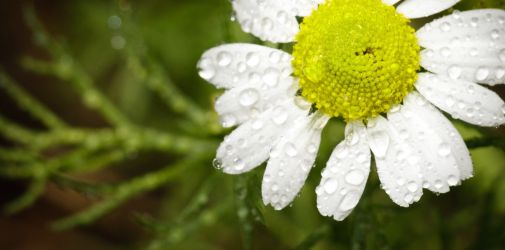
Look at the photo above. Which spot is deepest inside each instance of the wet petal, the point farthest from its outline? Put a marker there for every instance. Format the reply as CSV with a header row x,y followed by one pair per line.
x,y
345,175
232,65
291,161
249,145
424,8
398,167
439,168
464,100
466,45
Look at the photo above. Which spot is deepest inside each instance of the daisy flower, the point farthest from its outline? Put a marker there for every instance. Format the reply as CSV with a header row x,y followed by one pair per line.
x,y
361,61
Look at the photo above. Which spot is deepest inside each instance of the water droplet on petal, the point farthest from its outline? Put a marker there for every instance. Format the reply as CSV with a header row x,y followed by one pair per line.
x,y
248,97
408,198
252,59
444,149
349,201
217,163
280,115
355,177
330,186
224,58
412,186
290,149
452,180
481,74
454,71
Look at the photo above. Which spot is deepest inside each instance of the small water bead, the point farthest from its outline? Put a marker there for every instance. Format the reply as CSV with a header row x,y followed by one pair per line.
x,y
355,177
444,149
495,34
412,186
312,148
252,59
350,200
408,198
257,124
290,149
454,72
330,186
438,184
481,74
224,58
249,97
206,71
501,55
445,52
452,180
445,26
280,116
342,153
228,121
500,73
267,24
352,138
216,163
271,77
241,67
474,22
282,16
238,164
274,57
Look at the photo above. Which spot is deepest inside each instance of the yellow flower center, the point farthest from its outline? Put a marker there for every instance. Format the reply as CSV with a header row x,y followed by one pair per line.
x,y
355,58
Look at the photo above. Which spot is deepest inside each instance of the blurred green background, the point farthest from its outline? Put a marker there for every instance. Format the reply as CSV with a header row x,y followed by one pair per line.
x,y
107,137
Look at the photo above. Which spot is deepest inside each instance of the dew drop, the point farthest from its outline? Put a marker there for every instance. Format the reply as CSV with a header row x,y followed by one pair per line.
x,y
330,186
444,149
290,149
481,74
257,125
495,34
248,97
379,143
238,164
408,198
280,115
252,59
452,180
445,26
311,148
349,201
217,164
228,121
445,52
355,177
502,55
224,58
454,71
412,186
271,77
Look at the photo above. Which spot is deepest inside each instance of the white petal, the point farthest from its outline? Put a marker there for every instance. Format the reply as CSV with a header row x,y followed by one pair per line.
x,y
231,65
267,19
247,101
438,164
469,45
291,161
464,100
398,167
249,145
390,2
445,130
424,8
300,7
345,175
